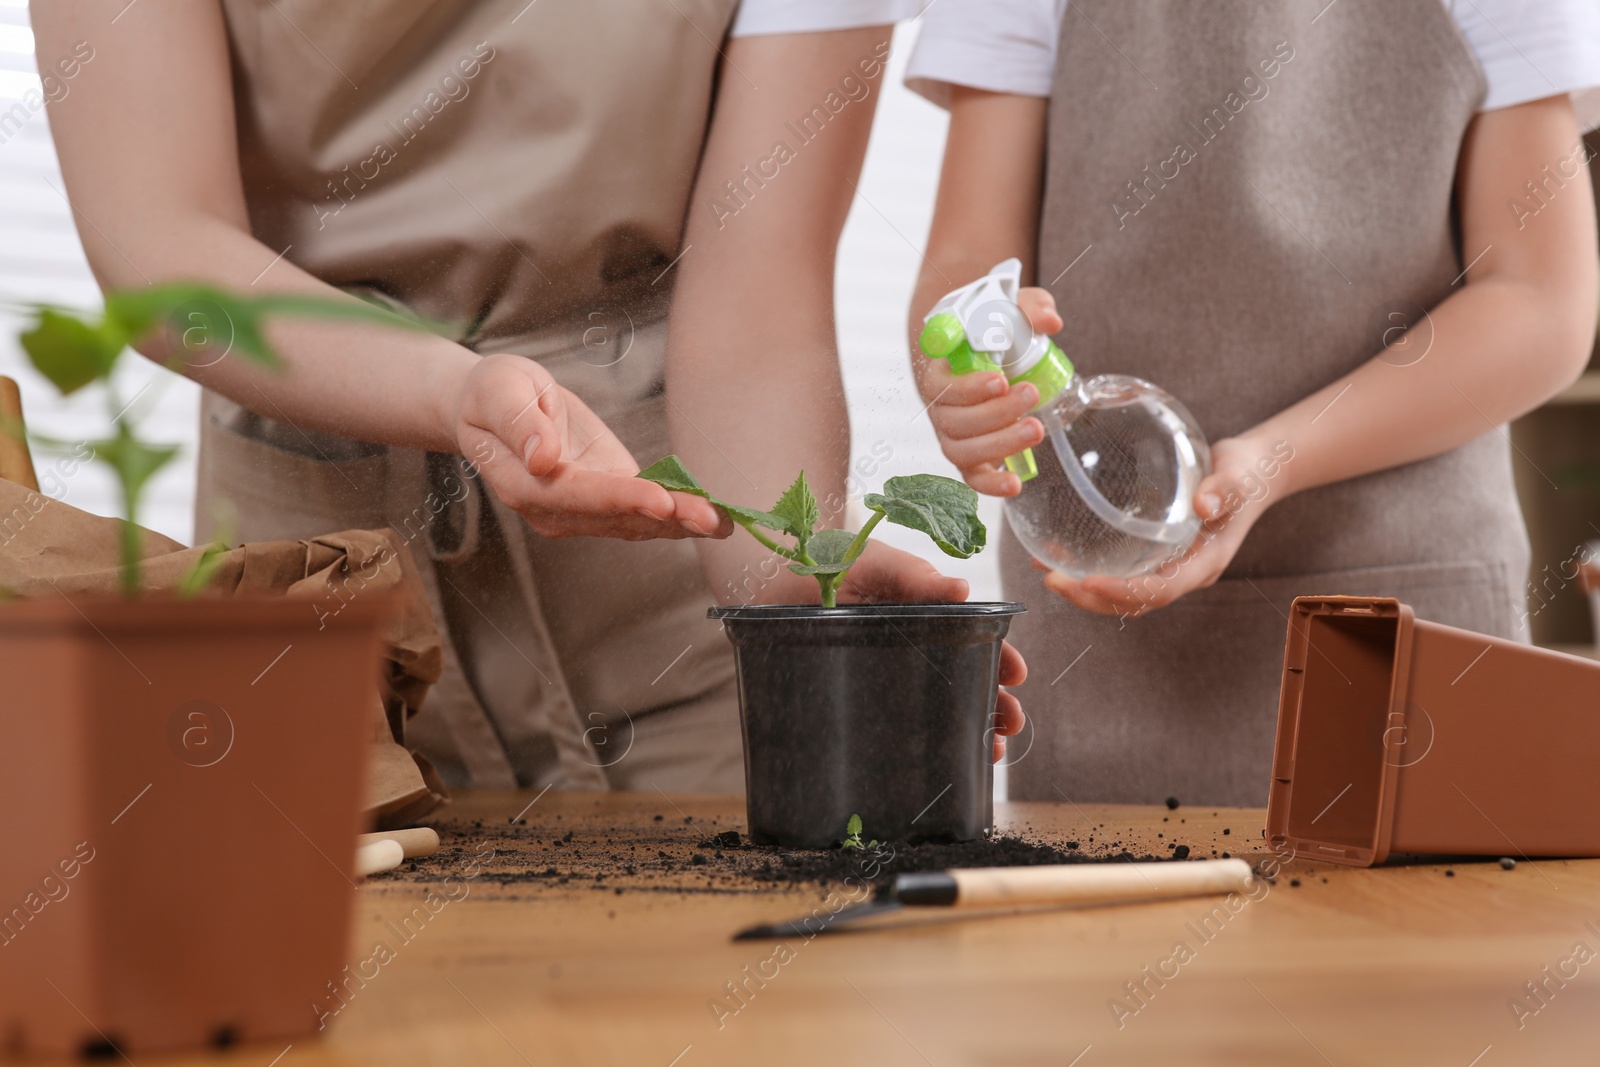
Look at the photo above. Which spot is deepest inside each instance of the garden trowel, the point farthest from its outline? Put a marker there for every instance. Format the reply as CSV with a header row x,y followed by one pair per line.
x,y
1006,887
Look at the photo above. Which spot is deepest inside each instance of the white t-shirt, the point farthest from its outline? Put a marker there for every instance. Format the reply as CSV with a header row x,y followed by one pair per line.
x,y
1527,49
758,17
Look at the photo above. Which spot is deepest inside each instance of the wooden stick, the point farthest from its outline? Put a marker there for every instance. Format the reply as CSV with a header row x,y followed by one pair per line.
x,y
417,841
16,464
1108,883
375,856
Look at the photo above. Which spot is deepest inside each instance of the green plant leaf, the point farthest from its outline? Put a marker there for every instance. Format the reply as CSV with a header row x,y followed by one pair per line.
x,y
359,309
69,351
194,582
203,323
798,507
134,461
207,322
853,827
828,548
753,515
670,473
943,508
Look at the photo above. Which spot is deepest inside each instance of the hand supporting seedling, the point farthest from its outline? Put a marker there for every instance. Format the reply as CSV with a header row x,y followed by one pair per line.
x,y
943,508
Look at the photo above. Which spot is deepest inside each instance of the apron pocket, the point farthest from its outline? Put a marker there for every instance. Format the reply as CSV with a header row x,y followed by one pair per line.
x,y
278,494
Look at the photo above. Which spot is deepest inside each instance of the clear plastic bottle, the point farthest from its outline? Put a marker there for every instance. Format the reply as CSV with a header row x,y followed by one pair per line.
x,y
1111,488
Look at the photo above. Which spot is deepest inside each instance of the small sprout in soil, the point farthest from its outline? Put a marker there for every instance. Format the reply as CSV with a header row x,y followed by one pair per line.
x,y
1507,863
943,508
852,835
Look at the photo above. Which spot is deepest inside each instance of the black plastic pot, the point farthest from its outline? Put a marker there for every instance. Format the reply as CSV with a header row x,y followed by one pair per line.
x,y
881,710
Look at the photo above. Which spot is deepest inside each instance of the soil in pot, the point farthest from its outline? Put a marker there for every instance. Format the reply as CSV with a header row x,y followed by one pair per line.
x,y
881,710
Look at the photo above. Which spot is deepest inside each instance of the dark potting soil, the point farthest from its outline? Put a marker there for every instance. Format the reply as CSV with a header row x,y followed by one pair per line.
x,y
676,858
879,865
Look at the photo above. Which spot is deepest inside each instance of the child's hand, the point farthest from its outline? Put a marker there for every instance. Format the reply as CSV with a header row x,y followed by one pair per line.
x,y
1230,502
980,418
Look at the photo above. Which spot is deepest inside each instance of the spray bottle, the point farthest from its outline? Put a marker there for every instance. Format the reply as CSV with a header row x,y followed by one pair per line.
x,y
1111,488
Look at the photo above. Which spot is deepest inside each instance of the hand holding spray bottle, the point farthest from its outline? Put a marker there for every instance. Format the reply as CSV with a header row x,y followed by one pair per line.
x,y
1110,490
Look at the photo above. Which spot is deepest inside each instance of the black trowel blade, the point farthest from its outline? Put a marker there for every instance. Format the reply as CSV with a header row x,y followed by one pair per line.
x,y
810,925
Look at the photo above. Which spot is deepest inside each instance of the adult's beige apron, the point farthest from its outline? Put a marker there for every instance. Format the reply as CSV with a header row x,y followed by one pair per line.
x,y
525,169
1244,241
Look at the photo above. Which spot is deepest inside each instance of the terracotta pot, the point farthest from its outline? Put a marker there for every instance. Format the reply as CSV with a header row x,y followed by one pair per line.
x,y
1397,735
181,785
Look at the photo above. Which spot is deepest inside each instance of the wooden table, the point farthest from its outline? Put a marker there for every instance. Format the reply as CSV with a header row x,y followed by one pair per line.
x,y
1404,965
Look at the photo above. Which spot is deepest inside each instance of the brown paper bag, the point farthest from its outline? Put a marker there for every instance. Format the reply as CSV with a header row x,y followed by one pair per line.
x,y
48,547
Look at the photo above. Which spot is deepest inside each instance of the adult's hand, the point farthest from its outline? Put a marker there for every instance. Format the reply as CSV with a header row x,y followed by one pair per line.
x,y
1008,716
546,455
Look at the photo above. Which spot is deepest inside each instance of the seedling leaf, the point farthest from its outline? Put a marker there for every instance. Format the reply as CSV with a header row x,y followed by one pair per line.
x,y
206,323
134,461
753,516
69,351
828,549
670,473
798,507
201,321
204,570
943,508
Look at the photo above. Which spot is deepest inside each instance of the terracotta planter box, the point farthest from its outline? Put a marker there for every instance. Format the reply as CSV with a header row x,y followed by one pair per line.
x,y
1397,735
181,785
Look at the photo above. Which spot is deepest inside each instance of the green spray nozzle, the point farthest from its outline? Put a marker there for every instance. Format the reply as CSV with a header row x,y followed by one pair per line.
x,y
1008,343
944,338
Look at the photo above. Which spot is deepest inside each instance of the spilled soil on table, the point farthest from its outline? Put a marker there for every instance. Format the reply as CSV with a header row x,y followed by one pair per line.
x,y
576,852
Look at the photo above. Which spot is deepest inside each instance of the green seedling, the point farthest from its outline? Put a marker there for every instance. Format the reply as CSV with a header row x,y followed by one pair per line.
x,y
852,835
943,508
202,325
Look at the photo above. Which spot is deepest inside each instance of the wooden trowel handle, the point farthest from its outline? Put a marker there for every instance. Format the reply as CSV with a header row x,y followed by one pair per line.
x,y
1099,883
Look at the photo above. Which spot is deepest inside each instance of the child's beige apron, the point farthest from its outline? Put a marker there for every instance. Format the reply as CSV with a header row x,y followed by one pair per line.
x,y
523,169
1245,240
